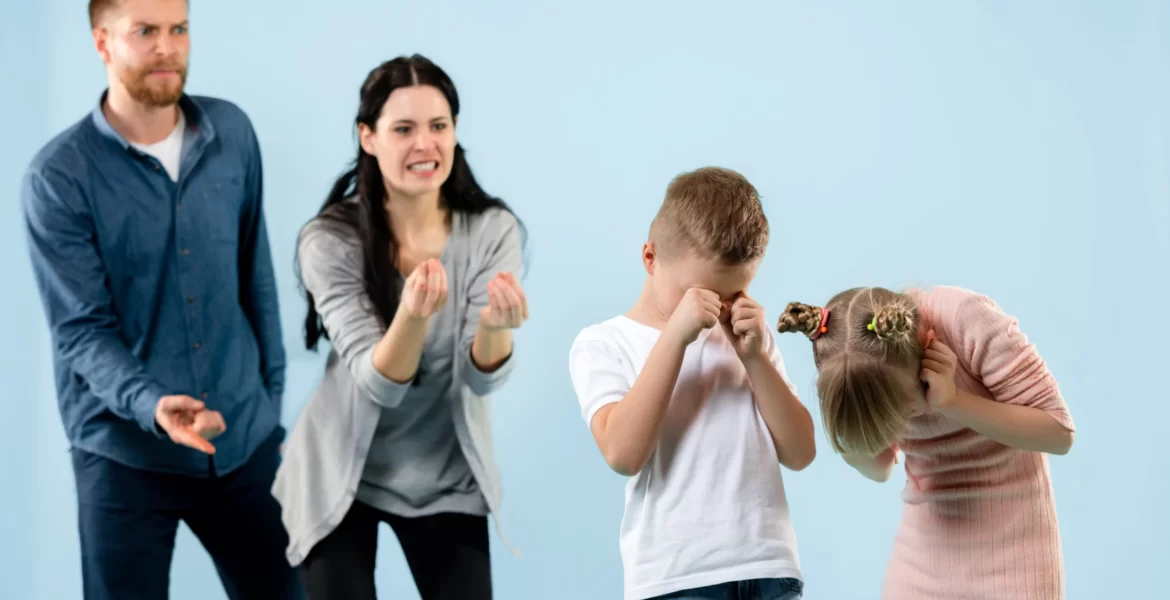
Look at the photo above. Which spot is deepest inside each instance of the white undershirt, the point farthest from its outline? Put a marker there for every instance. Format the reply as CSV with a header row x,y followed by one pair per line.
x,y
169,150
709,507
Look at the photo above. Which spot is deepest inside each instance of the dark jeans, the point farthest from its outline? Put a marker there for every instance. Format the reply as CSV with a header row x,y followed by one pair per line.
x,y
447,553
128,519
755,589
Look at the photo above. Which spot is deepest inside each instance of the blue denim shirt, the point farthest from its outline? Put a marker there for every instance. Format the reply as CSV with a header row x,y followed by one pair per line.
x,y
152,287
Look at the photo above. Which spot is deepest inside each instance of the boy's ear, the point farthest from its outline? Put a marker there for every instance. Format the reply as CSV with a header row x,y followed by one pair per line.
x,y
648,257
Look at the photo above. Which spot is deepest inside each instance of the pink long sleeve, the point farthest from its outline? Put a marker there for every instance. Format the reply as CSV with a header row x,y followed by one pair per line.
x,y
979,520
997,353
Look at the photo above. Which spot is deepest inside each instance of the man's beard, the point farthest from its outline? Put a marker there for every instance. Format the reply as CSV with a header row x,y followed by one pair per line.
x,y
159,94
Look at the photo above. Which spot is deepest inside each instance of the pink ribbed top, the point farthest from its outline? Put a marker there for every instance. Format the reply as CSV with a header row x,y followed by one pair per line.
x,y
978,519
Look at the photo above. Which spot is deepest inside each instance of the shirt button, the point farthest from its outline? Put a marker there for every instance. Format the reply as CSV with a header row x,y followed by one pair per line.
x,y
190,299
204,395
197,345
184,252
156,167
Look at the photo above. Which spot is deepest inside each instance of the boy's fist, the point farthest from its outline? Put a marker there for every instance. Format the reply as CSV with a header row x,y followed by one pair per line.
x,y
743,322
698,310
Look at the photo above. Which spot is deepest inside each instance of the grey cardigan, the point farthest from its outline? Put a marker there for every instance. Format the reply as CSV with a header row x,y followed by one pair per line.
x,y
326,450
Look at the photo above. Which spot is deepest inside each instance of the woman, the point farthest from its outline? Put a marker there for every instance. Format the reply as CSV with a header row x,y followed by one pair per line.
x,y
409,271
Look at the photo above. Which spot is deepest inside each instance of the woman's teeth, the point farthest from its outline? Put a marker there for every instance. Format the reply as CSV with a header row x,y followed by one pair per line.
x,y
427,166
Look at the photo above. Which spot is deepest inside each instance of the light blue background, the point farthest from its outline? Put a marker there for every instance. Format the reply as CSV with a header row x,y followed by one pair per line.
x,y
1018,149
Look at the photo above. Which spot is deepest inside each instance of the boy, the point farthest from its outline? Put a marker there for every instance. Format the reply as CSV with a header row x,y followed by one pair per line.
x,y
686,394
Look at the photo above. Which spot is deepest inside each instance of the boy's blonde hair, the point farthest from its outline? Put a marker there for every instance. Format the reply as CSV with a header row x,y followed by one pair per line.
x,y
712,213
864,406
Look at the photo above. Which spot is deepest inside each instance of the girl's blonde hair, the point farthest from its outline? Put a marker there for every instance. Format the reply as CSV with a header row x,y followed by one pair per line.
x,y
857,337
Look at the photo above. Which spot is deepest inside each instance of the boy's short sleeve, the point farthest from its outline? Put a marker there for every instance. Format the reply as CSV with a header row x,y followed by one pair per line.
x,y
778,362
599,372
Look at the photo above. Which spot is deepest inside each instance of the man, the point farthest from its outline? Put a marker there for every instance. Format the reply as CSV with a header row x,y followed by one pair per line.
x,y
148,242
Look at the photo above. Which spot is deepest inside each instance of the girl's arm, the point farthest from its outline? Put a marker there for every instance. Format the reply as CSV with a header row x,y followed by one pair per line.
x,y
1025,409
878,468
1020,427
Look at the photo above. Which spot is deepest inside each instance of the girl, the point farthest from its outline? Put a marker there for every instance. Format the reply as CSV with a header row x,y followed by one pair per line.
x,y
409,272
948,378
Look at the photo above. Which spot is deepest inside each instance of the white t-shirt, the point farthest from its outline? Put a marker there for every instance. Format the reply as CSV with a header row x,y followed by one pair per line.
x,y
169,150
709,507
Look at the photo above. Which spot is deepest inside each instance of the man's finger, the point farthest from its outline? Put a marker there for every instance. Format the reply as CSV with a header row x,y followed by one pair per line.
x,y
190,439
181,403
213,426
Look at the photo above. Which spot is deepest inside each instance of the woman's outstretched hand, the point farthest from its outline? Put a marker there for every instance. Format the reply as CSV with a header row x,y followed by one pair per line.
x,y
425,290
507,306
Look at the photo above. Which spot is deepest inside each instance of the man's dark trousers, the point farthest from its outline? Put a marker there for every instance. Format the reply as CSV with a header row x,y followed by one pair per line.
x,y
128,519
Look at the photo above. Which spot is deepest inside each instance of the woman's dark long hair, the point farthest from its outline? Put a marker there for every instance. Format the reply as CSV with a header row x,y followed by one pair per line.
x,y
368,216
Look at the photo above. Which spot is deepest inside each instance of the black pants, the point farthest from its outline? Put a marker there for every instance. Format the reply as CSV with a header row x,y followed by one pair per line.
x,y
447,553
128,519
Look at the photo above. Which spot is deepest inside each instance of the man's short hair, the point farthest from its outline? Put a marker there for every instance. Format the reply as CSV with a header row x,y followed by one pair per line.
x,y
98,10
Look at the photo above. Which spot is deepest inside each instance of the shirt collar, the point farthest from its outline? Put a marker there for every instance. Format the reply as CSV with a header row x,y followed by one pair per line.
x,y
197,121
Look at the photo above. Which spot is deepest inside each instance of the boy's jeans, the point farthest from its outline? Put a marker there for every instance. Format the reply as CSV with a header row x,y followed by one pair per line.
x,y
755,589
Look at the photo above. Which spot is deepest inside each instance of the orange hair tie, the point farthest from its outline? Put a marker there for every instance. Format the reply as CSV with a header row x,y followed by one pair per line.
x,y
823,327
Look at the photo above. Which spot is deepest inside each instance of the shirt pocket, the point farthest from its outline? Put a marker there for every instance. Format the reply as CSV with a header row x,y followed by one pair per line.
x,y
223,202
133,232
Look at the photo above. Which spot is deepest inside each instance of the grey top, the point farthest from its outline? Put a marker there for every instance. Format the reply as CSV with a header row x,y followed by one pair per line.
x,y
415,466
330,457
